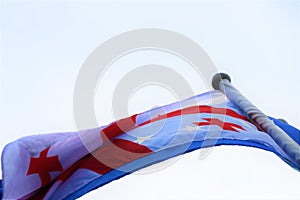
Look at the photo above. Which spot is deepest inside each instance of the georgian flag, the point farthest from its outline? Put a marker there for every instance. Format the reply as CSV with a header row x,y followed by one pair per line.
x,y
68,165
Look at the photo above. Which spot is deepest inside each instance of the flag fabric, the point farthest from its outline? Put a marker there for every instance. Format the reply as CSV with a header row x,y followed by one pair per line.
x,y
68,165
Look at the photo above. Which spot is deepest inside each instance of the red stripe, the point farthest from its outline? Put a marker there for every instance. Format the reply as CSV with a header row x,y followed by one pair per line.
x,y
195,110
119,127
115,154
124,125
224,125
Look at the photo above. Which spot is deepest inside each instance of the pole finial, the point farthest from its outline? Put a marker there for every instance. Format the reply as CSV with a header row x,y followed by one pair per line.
x,y
217,79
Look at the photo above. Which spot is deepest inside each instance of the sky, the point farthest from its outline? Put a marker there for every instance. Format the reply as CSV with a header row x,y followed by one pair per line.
x,y
43,45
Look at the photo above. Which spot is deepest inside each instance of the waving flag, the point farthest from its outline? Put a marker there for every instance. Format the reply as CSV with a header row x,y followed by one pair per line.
x,y
68,165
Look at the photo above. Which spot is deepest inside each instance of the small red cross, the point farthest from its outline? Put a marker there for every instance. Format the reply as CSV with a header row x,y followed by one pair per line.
x,y
224,125
43,165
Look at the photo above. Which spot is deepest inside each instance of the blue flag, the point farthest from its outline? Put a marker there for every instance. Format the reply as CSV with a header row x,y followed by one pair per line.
x,y
68,165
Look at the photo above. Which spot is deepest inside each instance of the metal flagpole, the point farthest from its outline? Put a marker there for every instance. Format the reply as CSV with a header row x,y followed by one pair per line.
x,y
222,82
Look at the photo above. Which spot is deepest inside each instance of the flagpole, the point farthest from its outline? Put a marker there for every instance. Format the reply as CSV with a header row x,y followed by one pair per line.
x,y
222,81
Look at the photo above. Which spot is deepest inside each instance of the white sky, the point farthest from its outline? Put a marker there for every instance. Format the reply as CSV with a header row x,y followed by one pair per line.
x,y
43,45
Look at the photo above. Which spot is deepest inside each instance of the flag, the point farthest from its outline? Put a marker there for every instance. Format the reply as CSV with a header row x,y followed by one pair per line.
x,y
68,165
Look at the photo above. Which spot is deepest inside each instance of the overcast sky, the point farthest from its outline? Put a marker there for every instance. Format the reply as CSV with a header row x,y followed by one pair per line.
x,y
44,44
